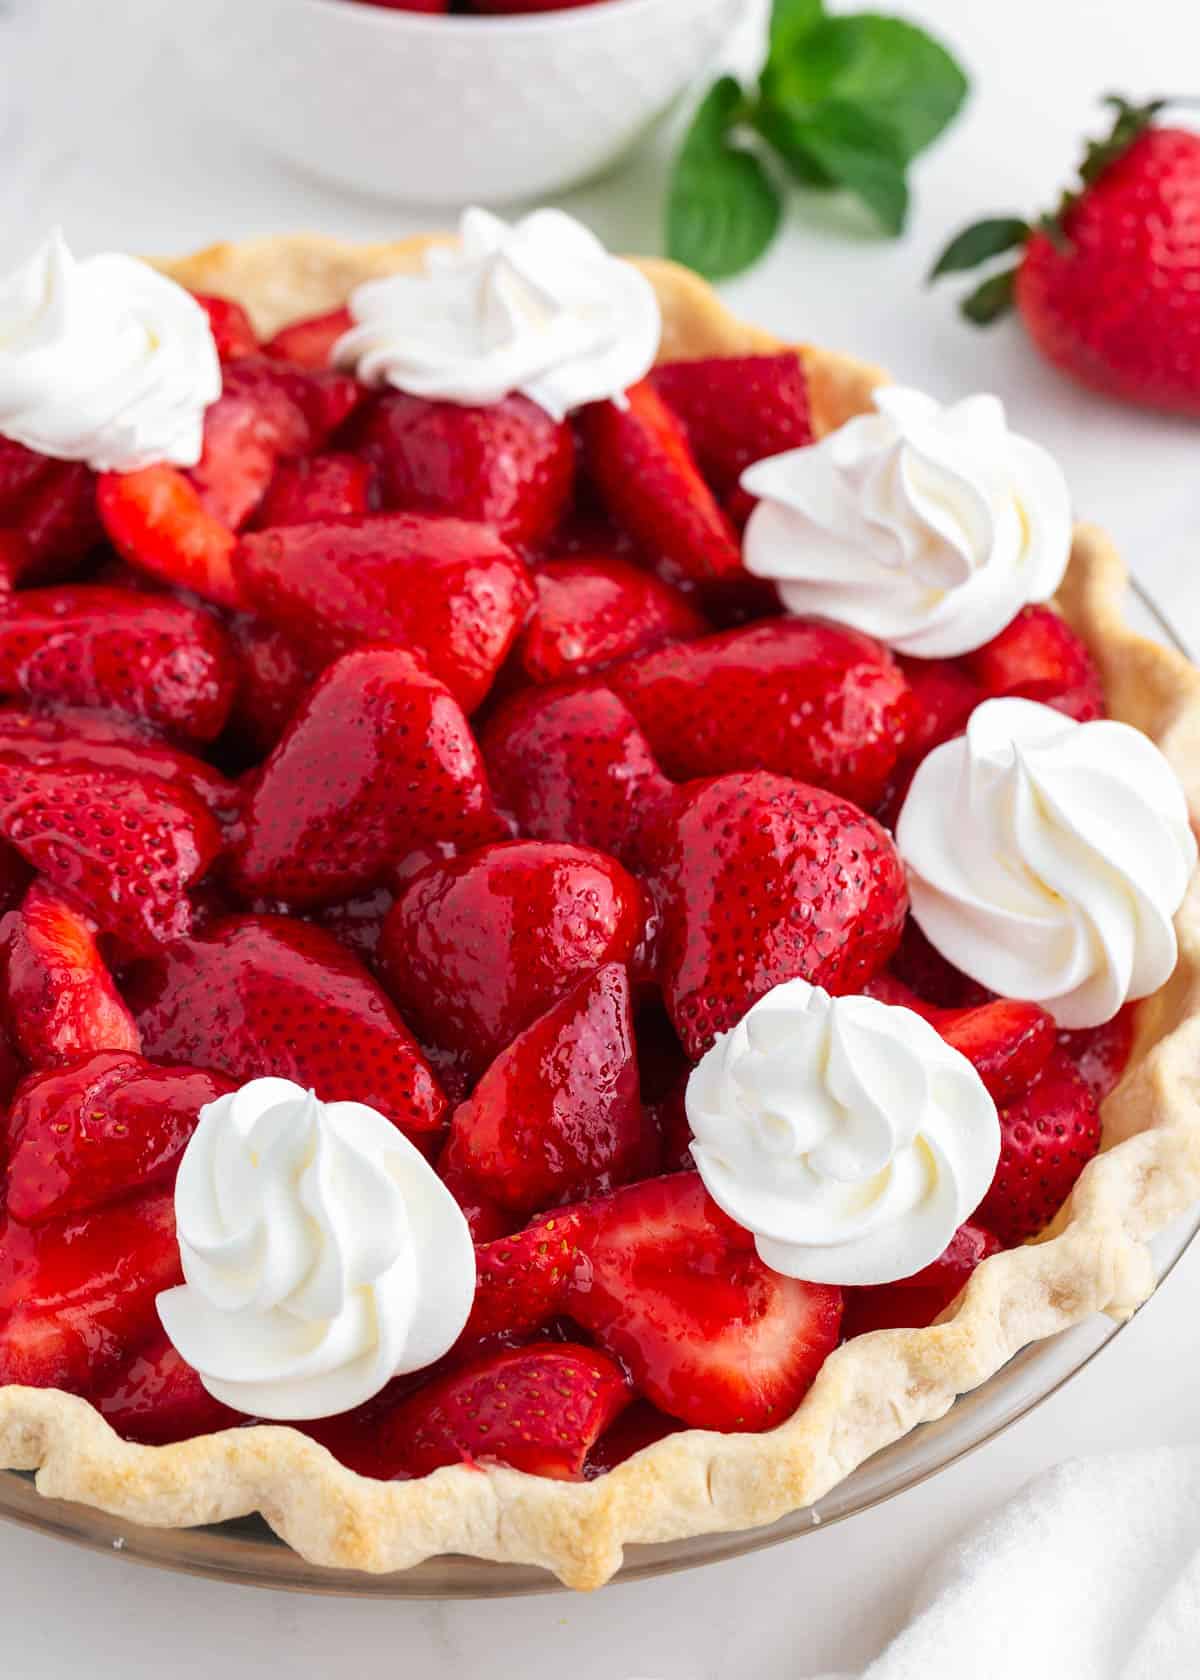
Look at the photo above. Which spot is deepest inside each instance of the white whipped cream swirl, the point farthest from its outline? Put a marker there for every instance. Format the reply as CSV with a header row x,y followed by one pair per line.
x,y
1046,858
322,1253
844,1133
927,527
104,361
539,307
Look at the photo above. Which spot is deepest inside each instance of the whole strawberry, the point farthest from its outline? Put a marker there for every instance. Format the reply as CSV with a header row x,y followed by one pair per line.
x,y
1108,286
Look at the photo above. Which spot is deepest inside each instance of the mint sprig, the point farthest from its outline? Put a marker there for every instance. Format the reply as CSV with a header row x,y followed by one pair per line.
x,y
842,104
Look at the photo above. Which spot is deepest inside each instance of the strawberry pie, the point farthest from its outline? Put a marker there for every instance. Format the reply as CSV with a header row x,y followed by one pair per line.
x,y
597,909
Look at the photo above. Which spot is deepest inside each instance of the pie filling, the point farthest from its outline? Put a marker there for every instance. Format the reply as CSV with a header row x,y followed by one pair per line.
x,y
538,897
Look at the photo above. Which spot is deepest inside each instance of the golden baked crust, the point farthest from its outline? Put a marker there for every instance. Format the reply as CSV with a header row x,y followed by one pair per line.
x,y
872,1390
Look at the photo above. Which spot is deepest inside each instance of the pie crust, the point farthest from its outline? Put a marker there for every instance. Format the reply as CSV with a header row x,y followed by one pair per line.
x,y
872,1390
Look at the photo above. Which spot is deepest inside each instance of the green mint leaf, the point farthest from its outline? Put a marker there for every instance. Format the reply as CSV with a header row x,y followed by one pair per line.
x,y
991,300
722,208
840,145
899,74
980,242
790,19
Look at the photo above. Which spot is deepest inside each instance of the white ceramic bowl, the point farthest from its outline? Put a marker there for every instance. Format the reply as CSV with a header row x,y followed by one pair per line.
x,y
450,110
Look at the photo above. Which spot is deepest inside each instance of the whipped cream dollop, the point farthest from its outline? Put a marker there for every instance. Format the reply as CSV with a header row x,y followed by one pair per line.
x,y
927,527
539,307
1046,858
104,360
844,1133
322,1253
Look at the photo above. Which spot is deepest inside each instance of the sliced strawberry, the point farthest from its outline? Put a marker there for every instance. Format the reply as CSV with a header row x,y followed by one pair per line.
x,y
232,332
475,949
83,1136
262,995
1100,1054
77,1296
61,999
156,521
1039,657
151,658
675,1291
451,590
803,698
557,1116
539,1409
649,481
916,1301
245,438
314,488
592,611
571,764
379,759
737,410
1007,1042
759,880
272,679
309,343
521,1281
156,1398
1047,1136
508,464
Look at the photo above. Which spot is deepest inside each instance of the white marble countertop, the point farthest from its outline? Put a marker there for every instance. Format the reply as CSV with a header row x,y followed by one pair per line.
x,y
99,130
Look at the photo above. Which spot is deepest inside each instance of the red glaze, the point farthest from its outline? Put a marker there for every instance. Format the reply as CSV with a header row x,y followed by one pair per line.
x,y
156,521
916,1301
797,696
451,590
232,331
1100,1053
357,923
156,1398
557,1116
759,880
1007,1042
272,679
261,995
316,487
1039,657
592,611
476,949
60,997
737,410
145,656
309,343
508,465
378,760
83,1136
1047,1136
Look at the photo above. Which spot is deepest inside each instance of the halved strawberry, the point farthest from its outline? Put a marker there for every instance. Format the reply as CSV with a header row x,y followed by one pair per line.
x,y
263,995
1007,1042
151,658
1100,1054
557,1116
521,1281
378,760
539,1409
508,464
916,1301
83,1136
156,520
452,590
309,343
649,481
593,610
803,698
61,999
316,487
155,1398
675,1291
737,410
246,434
1047,1136
272,679
232,331
1039,657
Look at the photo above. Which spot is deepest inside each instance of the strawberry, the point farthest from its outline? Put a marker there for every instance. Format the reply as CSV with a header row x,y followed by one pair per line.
x,y
155,1398
571,764
151,658
475,949
508,465
592,611
232,331
675,1291
1039,657
272,679
379,759
451,590
77,1296
58,521
557,1116
126,846
84,1136
1007,1042
639,1426
539,1409
314,488
156,521
485,1218
61,999
20,470
309,343
650,483
916,1301
946,695
1100,1053
803,698
262,995
1047,1136
14,562
357,923
759,880
521,1281
737,410
928,973
1107,285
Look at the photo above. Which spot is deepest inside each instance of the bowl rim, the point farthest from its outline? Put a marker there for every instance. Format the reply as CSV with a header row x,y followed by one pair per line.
x,y
584,17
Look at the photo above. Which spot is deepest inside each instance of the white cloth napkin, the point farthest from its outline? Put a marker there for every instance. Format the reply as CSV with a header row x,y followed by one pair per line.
x,y
1091,1573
